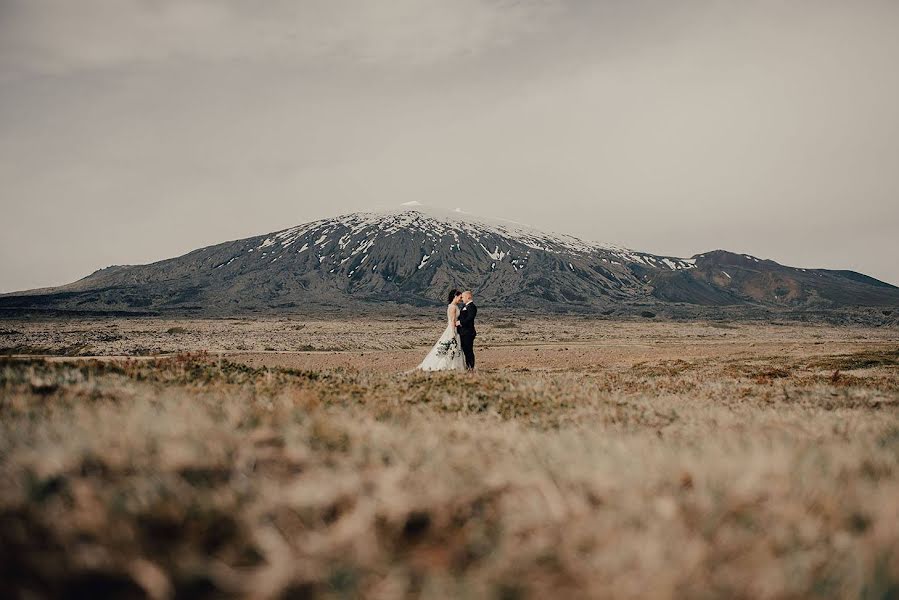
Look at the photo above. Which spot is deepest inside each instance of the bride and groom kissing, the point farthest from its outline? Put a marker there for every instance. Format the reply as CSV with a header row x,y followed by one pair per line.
x,y
454,351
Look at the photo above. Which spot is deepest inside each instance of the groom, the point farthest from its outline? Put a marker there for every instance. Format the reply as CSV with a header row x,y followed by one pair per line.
x,y
465,327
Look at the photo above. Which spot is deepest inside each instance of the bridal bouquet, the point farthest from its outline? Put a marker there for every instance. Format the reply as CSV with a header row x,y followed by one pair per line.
x,y
450,346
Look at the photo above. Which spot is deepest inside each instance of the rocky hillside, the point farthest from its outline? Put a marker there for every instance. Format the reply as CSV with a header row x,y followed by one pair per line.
x,y
412,256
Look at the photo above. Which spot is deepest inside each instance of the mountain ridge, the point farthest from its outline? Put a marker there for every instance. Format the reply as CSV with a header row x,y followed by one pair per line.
x,y
412,255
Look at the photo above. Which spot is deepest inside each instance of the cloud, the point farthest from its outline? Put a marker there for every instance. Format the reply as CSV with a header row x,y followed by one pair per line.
x,y
58,36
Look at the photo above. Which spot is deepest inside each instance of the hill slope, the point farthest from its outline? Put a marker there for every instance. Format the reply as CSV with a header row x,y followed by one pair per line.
x,y
414,255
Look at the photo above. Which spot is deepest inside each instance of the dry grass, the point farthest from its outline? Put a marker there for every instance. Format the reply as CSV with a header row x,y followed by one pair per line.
x,y
631,461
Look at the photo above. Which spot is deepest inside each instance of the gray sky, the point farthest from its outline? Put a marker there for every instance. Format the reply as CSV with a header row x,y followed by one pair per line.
x,y
136,130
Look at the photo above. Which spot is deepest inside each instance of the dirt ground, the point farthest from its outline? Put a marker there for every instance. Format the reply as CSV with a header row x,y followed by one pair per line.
x,y
398,345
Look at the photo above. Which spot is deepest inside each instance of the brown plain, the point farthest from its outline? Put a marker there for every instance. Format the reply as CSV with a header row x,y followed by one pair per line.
x,y
285,458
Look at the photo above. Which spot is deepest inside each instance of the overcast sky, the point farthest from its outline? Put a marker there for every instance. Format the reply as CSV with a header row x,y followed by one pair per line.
x,y
136,130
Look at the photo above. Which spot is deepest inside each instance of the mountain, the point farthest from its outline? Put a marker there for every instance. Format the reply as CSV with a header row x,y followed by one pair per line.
x,y
414,255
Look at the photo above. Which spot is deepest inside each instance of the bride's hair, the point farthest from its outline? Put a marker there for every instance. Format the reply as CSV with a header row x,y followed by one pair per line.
x,y
454,293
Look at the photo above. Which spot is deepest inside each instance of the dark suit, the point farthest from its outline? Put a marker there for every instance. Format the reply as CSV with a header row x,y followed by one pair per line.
x,y
467,332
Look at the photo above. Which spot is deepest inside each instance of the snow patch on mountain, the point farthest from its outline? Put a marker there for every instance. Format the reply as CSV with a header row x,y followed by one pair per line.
x,y
363,230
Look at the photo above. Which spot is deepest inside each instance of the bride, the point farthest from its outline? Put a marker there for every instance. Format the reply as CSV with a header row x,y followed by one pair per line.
x,y
446,355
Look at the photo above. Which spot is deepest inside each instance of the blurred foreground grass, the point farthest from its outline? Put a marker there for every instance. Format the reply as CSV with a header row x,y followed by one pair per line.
x,y
194,477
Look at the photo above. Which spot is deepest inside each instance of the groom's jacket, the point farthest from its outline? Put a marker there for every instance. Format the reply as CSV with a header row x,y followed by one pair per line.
x,y
466,320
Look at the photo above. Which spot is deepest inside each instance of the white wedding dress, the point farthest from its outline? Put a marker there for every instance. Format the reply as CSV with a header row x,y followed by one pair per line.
x,y
446,355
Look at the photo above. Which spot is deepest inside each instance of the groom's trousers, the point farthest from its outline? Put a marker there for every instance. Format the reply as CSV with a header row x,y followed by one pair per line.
x,y
468,350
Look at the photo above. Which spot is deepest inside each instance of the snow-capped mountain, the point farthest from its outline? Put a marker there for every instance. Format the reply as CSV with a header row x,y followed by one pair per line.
x,y
415,254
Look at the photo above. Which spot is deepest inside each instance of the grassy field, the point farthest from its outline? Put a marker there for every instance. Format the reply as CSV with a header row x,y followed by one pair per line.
x,y
586,459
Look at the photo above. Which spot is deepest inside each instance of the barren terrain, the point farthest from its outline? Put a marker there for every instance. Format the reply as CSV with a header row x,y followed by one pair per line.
x,y
290,458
